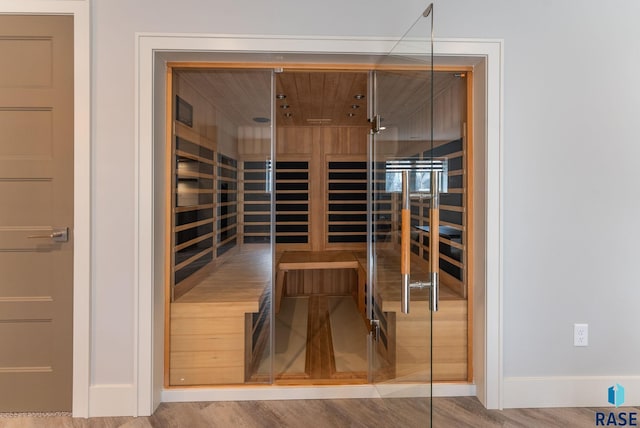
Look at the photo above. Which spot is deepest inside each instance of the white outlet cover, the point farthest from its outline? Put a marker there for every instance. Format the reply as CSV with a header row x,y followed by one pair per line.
x,y
581,335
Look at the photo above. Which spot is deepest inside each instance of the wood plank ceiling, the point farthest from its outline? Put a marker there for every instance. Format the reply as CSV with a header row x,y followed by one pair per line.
x,y
311,98
322,98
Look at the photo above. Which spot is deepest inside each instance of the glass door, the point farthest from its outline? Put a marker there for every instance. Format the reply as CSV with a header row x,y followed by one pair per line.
x,y
220,209
404,180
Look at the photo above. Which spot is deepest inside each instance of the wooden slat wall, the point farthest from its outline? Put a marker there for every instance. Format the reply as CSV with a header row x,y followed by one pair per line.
x,y
227,204
255,201
385,216
453,219
204,201
298,145
194,208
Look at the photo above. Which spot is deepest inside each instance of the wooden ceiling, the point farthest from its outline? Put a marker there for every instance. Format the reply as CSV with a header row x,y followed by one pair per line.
x,y
313,98
322,98
242,95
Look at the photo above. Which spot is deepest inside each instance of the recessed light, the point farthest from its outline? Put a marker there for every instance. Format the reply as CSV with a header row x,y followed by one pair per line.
x,y
355,106
358,96
261,119
285,106
351,114
287,114
281,96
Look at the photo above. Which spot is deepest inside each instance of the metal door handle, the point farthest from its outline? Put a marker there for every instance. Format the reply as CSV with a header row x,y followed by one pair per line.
x,y
405,244
434,239
57,235
434,244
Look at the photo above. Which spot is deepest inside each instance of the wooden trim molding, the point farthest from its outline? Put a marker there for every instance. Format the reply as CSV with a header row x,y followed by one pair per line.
x,y
311,66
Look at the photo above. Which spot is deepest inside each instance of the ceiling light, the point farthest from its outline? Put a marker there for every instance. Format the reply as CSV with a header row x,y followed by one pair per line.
x,y
261,119
287,114
285,106
355,106
281,96
358,96
351,114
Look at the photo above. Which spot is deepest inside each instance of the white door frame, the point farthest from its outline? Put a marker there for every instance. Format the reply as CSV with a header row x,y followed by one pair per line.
x,y
80,9
149,286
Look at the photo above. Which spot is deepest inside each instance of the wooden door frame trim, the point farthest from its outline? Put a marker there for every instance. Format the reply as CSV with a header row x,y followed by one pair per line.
x,y
80,10
150,288
309,67
173,66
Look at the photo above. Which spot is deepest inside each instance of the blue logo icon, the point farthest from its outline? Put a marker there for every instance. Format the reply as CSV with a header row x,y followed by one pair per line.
x,y
616,395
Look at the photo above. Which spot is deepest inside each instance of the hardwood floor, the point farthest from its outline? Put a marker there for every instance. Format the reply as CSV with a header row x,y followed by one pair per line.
x,y
320,351
321,357
457,412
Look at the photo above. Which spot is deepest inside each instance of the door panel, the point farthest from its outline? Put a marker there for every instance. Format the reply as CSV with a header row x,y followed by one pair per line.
x,y
404,285
221,246
36,189
37,143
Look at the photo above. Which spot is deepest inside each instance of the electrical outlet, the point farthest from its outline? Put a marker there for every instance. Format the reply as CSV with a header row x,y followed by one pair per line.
x,y
581,335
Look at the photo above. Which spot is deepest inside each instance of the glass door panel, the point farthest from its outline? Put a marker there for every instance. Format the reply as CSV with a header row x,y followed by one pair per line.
x,y
321,227
221,205
401,183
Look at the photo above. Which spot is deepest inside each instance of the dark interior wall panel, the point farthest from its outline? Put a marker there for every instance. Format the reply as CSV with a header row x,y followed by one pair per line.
x,y
347,196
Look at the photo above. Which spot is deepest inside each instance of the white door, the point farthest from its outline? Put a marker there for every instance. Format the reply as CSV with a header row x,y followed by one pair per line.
x,y
36,213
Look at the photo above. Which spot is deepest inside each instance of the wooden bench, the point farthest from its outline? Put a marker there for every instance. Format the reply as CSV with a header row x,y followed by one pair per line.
x,y
308,260
214,337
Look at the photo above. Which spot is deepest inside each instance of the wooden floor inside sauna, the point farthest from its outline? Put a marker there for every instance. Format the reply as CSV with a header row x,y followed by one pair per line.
x,y
319,339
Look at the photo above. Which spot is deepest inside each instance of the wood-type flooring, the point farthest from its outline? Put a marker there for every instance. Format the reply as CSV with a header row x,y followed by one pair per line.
x,y
457,412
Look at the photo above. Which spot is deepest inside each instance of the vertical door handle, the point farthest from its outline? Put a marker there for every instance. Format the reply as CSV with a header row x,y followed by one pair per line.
x,y
434,239
405,244
434,244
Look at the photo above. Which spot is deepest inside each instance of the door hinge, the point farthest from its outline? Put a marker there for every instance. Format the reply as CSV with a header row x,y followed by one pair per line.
x,y
374,329
376,124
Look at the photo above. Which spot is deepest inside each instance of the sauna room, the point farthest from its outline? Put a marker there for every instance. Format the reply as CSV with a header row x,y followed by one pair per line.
x,y
270,204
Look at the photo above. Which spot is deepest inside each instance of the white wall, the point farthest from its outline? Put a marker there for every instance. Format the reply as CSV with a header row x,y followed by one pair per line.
x,y
571,199
570,151
571,196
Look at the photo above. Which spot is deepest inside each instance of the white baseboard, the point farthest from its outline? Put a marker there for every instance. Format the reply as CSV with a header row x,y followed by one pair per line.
x,y
257,393
527,392
454,390
112,400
